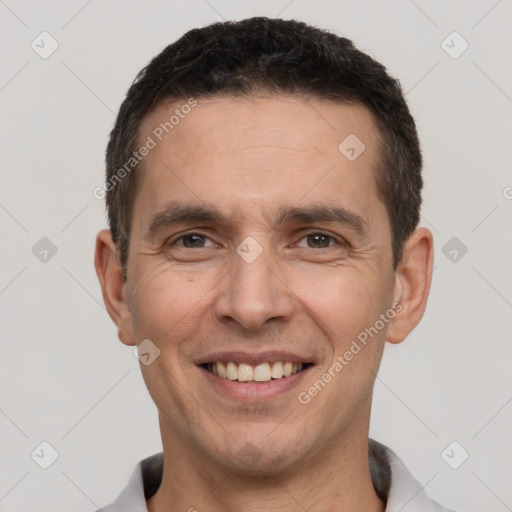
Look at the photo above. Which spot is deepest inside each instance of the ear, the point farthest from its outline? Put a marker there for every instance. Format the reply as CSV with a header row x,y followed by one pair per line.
x,y
412,284
113,286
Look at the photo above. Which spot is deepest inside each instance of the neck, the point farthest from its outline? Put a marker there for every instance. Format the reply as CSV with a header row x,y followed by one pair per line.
x,y
335,479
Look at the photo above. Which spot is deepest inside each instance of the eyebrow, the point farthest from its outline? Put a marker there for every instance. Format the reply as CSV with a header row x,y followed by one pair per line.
x,y
176,213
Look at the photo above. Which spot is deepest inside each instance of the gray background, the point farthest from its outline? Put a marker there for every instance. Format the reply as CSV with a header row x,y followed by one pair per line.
x,y
67,380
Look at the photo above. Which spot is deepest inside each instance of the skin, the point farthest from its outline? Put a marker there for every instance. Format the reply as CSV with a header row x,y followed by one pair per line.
x,y
249,157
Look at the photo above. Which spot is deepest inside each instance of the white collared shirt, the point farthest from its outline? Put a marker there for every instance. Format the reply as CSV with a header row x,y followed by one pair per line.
x,y
392,481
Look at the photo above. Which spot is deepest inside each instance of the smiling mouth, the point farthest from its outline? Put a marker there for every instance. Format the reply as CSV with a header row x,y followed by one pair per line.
x,y
263,372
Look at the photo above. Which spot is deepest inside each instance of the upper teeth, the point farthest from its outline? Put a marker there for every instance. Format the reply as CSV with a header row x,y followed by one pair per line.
x,y
244,372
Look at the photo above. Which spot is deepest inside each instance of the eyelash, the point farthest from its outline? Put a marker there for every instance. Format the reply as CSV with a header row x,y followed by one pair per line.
x,y
337,241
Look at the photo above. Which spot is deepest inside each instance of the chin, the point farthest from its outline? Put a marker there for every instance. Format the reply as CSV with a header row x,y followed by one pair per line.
x,y
263,458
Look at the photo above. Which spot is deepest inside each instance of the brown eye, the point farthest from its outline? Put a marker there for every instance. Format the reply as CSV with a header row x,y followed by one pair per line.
x,y
317,240
192,241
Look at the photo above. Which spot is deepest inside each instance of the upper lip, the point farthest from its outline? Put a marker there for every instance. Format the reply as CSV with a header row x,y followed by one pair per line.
x,y
241,356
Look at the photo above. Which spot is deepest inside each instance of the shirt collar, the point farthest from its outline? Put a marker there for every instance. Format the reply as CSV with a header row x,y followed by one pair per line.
x,y
392,481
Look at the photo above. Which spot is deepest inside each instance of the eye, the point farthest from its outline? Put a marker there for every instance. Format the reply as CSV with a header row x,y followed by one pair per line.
x,y
192,241
195,240
318,241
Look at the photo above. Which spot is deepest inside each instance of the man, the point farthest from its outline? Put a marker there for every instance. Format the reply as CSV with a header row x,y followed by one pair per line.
x,y
263,191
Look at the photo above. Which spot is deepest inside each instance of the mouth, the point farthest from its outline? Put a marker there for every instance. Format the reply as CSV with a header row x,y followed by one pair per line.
x,y
254,376
255,373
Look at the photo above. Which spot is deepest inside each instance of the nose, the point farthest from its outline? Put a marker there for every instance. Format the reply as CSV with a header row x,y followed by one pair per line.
x,y
253,293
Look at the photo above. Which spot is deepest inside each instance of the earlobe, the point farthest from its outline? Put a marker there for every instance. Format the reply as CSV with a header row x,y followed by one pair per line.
x,y
412,284
113,286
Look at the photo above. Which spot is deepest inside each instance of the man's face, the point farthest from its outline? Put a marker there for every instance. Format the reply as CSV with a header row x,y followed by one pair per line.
x,y
270,279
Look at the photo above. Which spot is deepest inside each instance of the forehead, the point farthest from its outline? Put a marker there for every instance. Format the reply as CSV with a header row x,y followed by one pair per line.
x,y
225,123
240,152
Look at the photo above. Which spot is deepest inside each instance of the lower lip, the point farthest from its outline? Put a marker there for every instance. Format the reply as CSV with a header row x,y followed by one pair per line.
x,y
254,391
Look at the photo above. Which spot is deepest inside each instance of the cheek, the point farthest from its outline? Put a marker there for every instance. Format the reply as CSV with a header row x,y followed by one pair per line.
x,y
167,303
167,307
341,301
